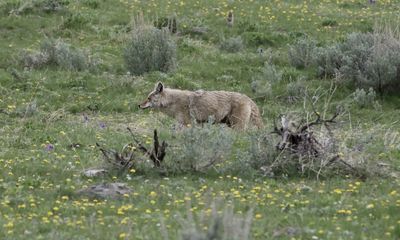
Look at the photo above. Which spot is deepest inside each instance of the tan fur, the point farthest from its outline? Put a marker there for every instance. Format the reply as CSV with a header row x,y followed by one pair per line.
x,y
235,109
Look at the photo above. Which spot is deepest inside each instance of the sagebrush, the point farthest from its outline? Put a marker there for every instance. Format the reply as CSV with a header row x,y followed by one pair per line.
x,y
200,148
262,83
232,45
57,53
301,53
220,224
364,98
364,59
150,49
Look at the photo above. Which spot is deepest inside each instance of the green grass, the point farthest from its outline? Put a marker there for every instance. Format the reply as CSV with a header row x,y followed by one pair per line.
x,y
37,187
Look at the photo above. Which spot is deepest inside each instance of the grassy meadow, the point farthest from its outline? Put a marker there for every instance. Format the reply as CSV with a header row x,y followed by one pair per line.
x,y
48,108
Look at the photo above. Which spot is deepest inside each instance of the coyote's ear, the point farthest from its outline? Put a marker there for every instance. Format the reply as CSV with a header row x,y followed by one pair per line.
x,y
159,87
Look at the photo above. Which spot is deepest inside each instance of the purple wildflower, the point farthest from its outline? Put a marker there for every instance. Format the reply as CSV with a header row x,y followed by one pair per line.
x,y
49,147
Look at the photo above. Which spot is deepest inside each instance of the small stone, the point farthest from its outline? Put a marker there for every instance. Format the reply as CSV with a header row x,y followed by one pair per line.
x,y
305,189
94,172
106,190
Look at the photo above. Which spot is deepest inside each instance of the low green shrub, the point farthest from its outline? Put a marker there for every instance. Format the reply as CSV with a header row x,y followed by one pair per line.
x,y
28,7
364,59
93,4
329,23
75,21
150,49
57,53
262,83
220,224
258,39
301,53
201,148
232,45
364,98
328,60
295,89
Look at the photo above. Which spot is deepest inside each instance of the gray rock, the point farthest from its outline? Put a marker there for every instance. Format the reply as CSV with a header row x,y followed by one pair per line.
x,y
94,172
106,190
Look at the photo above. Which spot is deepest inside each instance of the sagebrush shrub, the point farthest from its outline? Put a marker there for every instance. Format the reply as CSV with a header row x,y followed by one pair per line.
x,y
301,53
150,49
295,88
356,50
261,88
364,98
222,224
262,83
201,148
271,73
364,59
75,20
33,59
51,5
260,153
328,60
383,66
290,74
64,55
56,53
94,4
232,45
28,7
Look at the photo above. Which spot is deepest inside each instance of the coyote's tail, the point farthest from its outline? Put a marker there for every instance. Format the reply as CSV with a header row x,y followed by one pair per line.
x,y
255,117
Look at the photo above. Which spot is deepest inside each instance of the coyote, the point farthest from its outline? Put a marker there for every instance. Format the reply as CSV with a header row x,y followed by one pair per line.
x,y
232,108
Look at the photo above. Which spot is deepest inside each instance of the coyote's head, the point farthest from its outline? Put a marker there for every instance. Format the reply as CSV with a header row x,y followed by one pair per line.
x,y
154,98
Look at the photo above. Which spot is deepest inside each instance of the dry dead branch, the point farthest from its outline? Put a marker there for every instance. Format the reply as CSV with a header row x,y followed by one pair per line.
x,y
300,139
156,154
125,159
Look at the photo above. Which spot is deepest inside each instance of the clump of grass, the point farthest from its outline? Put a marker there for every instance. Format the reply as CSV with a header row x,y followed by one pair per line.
x,y
50,6
29,7
270,39
57,53
360,148
364,98
75,21
30,109
93,4
290,74
255,157
262,83
222,225
33,60
295,90
329,23
150,49
301,53
201,148
167,22
261,88
225,78
232,45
